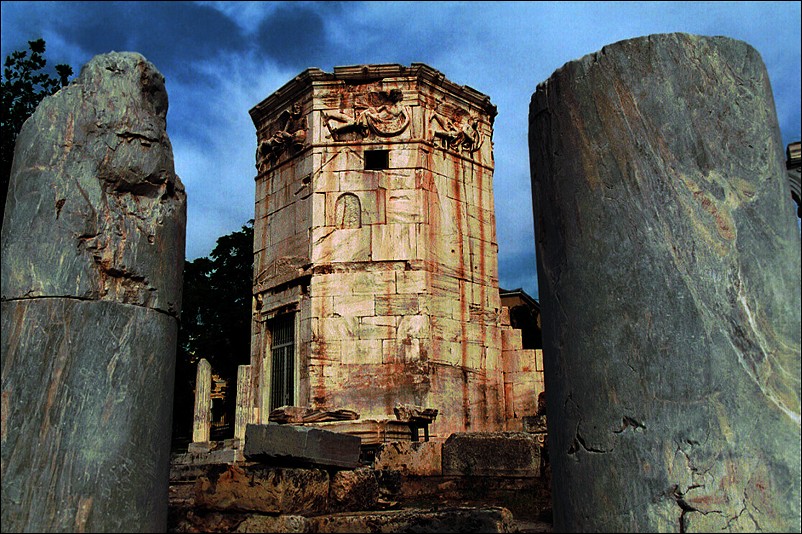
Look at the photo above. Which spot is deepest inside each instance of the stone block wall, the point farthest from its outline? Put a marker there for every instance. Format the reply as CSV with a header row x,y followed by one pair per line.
x,y
390,266
523,376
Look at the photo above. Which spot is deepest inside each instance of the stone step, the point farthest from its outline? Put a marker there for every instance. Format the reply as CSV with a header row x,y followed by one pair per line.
x,y
458,519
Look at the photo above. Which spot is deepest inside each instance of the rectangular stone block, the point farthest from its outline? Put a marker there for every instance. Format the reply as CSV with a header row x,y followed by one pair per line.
x,y
397,304
527,360
362,351
509,402
358,283
448,352
380,327
402,179
265,489
326,350
296,443
408,350
444,286
281,224
394,242
405,158
406,206
411,281
340,245
525,389
421,458
446,328
473,355
243,415
493,357
539,360
356,181
413,326
511,339
325,182
319,215
491,454
337,158
516,361
354,306
442,307
337,328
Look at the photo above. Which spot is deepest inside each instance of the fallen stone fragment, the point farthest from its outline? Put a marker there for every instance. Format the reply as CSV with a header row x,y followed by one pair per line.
x,y
299,414
301,444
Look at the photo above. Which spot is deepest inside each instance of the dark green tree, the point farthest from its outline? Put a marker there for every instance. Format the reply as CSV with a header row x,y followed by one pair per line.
x,y
215,321
24,84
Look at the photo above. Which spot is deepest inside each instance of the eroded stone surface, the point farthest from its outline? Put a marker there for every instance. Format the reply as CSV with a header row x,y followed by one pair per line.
x,y
353,489
281,523
491,454
669,275
489,519
264,489
422,458
92,261
94,209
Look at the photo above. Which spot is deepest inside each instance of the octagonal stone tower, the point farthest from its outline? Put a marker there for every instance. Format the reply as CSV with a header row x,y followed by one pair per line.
x,y
376,266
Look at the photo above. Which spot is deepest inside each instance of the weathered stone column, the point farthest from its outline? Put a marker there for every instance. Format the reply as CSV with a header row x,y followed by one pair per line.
x,y
201,424
243,414
92,259
669,272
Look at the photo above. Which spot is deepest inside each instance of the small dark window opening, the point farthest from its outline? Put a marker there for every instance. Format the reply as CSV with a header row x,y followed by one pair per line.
x,y
376,160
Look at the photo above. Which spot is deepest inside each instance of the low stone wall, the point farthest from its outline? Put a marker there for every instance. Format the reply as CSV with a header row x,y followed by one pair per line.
x,y
480,482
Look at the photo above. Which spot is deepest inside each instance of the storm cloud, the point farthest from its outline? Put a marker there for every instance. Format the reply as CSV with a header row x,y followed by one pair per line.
x,y
222,58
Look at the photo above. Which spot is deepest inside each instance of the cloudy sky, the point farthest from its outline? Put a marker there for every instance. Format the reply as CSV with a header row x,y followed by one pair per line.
x,y
222,58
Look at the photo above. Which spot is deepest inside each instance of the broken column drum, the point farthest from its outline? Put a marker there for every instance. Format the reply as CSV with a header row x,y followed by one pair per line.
x,y
92,260
669,275
376,269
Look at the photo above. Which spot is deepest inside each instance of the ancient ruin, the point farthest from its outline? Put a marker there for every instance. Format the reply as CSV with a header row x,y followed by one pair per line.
x,y
92,257
376,269
386,378
669,276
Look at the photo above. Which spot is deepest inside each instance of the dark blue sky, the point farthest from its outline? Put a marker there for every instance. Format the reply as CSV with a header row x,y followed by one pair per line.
x,y
222,58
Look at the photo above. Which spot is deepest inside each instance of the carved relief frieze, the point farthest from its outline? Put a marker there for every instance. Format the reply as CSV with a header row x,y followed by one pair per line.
x,y
287,137
381,115
458,133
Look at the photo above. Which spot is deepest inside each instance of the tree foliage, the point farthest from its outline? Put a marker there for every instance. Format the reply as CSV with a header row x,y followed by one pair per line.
x,y
24,84
215,319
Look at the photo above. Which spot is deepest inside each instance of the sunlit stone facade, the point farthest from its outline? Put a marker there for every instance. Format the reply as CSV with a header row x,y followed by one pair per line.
x,y
376,265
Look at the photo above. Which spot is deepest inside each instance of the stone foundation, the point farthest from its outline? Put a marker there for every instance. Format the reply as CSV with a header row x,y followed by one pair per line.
x,y
405,489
